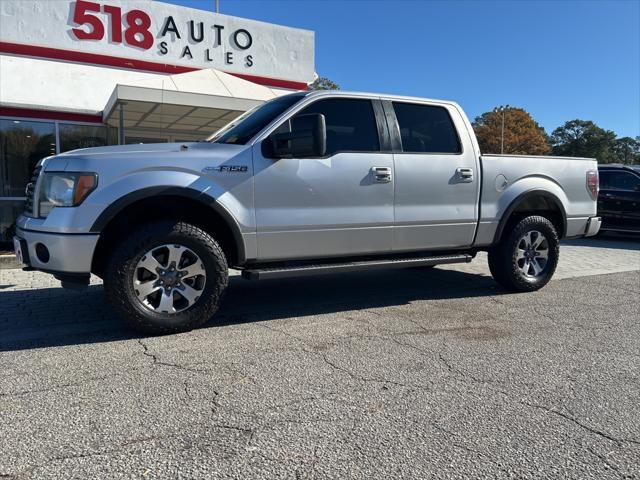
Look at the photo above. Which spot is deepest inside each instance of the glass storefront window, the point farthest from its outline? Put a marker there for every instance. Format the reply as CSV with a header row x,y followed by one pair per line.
x,y
22,145
9,211
73,137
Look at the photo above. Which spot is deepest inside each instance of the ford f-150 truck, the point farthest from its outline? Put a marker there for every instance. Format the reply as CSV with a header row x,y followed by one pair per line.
x,y
308,183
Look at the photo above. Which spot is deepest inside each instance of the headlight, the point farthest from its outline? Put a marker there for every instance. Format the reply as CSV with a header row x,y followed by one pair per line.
x,y
64,189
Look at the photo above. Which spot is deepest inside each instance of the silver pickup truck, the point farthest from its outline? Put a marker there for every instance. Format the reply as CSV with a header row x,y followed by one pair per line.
x,y
308,183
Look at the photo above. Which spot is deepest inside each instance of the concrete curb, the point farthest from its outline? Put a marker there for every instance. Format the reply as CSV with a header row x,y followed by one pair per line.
x,y
8,261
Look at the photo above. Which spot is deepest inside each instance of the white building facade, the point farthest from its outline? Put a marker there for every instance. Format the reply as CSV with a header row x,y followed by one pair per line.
x,y
78,73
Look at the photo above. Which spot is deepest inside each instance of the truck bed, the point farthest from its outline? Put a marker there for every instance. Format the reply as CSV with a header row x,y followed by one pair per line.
x,y
505,177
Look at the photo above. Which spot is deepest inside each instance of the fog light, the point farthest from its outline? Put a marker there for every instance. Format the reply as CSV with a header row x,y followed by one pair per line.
x,y
42,253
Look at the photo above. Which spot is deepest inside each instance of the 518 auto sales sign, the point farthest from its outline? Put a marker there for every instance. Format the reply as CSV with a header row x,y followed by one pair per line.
x,y
157,32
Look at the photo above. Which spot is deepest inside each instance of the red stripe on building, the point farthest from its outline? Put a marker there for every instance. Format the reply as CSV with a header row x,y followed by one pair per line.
x,y
49,115
119,62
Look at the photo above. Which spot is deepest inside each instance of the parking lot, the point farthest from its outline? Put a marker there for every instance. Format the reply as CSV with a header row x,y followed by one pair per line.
x,y
400,374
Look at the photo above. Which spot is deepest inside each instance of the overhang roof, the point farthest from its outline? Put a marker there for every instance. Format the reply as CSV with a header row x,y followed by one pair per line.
x,y
197,102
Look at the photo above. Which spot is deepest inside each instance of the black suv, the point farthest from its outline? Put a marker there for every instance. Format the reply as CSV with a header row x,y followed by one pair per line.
x,y
619,198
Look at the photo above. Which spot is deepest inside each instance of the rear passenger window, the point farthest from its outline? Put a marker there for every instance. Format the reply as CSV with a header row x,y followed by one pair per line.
x,y
619,181
351,124
603,180
426,129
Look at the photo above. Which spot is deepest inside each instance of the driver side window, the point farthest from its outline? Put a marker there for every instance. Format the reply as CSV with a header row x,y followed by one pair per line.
x,y
619,181
351,124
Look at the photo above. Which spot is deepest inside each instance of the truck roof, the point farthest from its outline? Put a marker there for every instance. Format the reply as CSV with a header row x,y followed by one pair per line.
x,y
619,166
346,93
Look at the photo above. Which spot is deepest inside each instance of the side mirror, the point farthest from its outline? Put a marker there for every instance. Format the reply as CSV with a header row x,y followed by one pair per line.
x,y
307,138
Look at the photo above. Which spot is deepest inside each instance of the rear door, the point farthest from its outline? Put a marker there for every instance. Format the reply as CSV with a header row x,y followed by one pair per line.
x,y
337,205
619,199
436,177
606,200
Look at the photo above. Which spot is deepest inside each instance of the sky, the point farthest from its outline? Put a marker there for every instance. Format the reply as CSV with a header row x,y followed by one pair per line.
x,y
559,60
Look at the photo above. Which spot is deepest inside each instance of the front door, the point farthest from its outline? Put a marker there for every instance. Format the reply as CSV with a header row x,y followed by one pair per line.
x,y
437,180
338,205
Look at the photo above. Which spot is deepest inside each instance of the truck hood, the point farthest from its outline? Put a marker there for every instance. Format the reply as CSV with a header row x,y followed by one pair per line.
x,y
136,148
143,156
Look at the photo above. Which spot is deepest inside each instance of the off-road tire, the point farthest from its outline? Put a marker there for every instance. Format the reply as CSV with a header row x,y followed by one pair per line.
x,y
120,270
502,257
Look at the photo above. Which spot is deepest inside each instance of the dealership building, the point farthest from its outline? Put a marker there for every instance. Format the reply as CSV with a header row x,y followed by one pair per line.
x,y
78,73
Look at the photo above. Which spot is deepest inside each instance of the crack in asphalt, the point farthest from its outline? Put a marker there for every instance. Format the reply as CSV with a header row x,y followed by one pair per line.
x,y
452,369
457,371
355,376
450,438
118,449
570,418
55,387
334,366
484,455
156,361
449,433
187,394
282,332
612,466
325,396
115,449
588,428
215,404
261,423
251,430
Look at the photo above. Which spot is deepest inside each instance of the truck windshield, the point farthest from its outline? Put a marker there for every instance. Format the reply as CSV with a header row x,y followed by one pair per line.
x,y
247,125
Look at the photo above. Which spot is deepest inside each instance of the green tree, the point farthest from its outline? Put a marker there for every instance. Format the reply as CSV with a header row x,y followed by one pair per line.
x,y
627,150
323,83
583,138
522,134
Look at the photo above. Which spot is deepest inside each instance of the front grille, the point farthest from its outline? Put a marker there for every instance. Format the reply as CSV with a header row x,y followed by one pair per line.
x,y
30,191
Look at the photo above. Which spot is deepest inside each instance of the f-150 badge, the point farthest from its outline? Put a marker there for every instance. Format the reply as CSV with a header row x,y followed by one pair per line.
x,y
226,168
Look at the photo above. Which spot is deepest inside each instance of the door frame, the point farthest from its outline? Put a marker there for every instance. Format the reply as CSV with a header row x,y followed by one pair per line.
x,y
384,140
466,148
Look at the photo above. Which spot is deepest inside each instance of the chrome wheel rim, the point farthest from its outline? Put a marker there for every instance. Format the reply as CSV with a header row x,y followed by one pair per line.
x,y
169,279
532,254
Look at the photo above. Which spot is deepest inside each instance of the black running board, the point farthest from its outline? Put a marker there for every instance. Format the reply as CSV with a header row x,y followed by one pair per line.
x,y
320,269
618,230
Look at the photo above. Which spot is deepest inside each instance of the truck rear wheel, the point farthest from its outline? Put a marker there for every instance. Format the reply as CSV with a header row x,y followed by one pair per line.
x,y
166,277
526,258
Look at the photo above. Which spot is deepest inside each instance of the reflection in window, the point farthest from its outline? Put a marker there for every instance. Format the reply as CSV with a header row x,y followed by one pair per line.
x,y
619,181
22,145
9,211
351,124
73,137
426,128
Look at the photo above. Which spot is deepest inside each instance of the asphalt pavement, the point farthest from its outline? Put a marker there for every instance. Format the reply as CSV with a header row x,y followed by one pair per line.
x,y
400,374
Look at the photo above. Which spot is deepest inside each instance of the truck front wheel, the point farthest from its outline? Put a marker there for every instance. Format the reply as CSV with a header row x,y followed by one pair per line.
x,y
526,258
166,277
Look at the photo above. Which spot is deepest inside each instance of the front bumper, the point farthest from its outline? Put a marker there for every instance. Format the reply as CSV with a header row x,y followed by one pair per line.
x,y
67,253
593,226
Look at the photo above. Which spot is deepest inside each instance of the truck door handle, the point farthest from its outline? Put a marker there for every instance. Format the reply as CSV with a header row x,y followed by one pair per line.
x,y
381,174
466,174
